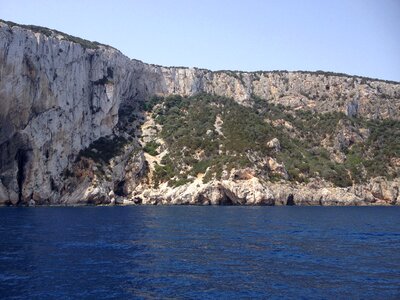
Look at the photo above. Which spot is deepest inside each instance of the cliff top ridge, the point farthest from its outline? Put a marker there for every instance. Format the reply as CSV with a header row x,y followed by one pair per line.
x,y
96,45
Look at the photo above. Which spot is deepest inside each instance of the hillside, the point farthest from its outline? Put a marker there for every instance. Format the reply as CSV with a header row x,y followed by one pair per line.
x,y
224,135
80,123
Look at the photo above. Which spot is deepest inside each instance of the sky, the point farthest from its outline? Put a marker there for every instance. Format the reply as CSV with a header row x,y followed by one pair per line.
x,y
357,37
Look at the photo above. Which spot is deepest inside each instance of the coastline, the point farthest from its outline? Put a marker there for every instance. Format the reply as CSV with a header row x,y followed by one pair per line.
x,y
145,134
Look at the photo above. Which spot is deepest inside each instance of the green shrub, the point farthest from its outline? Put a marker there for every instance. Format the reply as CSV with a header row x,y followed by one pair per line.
x,y
151,148
104,149
200,167
163,173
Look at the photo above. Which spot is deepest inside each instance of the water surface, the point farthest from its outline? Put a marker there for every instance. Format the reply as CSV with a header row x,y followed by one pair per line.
x,y
200,252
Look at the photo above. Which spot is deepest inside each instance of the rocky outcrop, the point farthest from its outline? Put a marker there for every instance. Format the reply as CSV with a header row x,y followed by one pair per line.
x,y
251,191
103,182
274,144
379,190
60,94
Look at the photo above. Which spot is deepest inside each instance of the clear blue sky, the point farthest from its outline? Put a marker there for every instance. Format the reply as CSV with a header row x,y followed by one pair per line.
x,y
360,37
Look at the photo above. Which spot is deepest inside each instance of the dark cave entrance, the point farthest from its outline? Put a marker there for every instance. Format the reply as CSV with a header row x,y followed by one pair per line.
x,y
290,200
226,200
119,189
22,158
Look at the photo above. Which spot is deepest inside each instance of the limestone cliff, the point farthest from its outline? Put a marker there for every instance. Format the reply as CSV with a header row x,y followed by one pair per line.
x,y
60,95
318,91
56,98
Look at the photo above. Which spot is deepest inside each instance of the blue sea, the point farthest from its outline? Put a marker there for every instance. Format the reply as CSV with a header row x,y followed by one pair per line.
x,y
192,252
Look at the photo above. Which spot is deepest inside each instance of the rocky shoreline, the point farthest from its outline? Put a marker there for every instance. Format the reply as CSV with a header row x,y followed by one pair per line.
x,y
250,192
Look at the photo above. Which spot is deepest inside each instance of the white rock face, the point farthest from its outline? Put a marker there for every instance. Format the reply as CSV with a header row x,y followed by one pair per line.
x,y
57,97
251,191
299,90
274,144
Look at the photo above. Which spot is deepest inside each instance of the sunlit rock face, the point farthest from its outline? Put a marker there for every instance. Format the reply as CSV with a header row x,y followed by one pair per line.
x,y
320,92
59,95
56,98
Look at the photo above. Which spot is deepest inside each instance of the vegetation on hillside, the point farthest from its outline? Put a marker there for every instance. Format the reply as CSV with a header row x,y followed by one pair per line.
x,y
195,145
104,149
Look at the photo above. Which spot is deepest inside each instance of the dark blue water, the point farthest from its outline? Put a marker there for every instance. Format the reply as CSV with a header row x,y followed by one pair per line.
x,y
200,252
